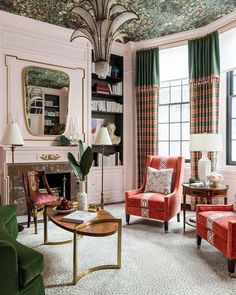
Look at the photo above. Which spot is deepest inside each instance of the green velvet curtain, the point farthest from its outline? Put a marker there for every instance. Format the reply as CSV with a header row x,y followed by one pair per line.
x,y
147,96
204,71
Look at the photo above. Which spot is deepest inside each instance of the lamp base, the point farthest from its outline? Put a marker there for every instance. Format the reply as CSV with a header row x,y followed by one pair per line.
x,y
204,168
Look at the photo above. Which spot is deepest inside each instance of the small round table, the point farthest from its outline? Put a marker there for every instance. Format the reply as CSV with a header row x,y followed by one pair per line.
x,y
202,192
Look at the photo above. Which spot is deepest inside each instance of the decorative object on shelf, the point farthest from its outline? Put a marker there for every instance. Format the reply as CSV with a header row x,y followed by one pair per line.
x,y
111,127
103,138
215,179
63,140
204,143
102,20
12,136
81,169
115,71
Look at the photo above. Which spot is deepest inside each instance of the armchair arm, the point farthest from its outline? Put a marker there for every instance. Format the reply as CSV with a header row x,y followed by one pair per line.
x,y
8,269
231,245
201,208
134,192
172,204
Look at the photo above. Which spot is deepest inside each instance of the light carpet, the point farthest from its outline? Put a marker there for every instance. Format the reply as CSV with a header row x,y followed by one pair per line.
x,y
152,262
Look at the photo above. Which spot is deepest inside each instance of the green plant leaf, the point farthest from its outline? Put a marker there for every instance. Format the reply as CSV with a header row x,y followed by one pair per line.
x,y
75,167
86,160
81,150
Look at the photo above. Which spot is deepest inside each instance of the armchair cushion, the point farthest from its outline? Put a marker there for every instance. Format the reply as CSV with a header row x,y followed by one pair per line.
x,y
158,181
146,200
216,221
41,199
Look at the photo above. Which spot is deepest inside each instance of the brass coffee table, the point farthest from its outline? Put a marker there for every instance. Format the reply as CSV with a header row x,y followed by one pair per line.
x,y
104,224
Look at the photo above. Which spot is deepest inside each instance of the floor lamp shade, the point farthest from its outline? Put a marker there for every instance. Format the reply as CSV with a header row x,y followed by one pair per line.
x,y
103,137
12,135
204,143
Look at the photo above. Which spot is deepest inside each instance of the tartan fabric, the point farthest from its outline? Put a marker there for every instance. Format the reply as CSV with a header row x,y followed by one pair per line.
x,y
204,69
147,99
204,113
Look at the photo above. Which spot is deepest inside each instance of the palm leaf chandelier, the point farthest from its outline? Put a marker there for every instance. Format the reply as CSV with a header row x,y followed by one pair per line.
x,y
102,20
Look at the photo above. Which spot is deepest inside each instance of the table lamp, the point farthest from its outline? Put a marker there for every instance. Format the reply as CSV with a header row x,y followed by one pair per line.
x,y
12,136
103,138
204,143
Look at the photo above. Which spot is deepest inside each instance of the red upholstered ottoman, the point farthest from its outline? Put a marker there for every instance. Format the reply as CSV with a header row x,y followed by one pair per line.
x,y
217,225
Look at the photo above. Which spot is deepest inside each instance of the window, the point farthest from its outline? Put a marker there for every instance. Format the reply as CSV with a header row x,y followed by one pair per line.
x,y
174,119
231,118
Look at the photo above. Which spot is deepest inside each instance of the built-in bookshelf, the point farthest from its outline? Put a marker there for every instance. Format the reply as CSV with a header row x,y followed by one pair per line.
x,y
107,107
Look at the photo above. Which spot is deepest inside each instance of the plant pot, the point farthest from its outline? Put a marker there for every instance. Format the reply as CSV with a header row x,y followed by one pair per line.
x,y
82,197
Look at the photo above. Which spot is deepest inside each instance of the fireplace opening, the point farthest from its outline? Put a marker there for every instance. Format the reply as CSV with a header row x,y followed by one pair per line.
x,y
60,184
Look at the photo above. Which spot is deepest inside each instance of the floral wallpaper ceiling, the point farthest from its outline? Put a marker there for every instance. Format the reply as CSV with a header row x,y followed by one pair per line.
x,y
157,17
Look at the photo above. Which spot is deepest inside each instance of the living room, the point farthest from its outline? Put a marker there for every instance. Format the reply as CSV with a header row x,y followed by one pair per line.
x,y
152,262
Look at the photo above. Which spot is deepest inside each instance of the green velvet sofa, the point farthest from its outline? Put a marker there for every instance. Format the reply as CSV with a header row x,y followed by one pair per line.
x,y
20,266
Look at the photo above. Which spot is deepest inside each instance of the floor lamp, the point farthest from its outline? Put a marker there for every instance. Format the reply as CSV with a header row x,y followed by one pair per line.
x,y
103,139
12,136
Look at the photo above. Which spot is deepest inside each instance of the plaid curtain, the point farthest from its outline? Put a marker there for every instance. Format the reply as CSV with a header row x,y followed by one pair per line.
x,y
204,71
147,96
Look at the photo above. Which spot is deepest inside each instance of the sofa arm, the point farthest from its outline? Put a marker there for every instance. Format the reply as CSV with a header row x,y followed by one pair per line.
x,y
8,269
201,208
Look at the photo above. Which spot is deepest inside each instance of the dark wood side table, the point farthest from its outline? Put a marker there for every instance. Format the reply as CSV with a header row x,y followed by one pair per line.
x,y
202,192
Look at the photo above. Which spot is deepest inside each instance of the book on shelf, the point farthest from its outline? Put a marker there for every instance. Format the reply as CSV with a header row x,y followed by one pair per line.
x,y
102,88
79,216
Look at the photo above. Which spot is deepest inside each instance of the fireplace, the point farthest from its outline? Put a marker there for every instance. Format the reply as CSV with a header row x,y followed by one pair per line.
x,y
54,172
60,184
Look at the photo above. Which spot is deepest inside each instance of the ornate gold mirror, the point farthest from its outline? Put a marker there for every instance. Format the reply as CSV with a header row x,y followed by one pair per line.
x,y
46,94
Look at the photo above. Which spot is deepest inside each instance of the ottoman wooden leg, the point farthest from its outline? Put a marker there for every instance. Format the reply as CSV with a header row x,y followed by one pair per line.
x,y
127,218
231,266
199,240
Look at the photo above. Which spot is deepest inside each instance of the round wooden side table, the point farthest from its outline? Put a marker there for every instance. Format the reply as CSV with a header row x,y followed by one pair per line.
x,y
202,192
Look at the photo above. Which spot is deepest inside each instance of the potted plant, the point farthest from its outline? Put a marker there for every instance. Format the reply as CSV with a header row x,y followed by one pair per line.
x,y
81,168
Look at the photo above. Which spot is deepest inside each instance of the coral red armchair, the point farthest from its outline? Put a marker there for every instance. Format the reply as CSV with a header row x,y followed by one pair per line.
x,y
157,205
35,200
217,225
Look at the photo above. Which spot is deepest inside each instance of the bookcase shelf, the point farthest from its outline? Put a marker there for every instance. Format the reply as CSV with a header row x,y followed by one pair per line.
x,y
107,107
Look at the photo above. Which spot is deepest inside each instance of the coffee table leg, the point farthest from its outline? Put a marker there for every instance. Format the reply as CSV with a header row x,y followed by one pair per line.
x,y
184,209
119,245
45,219
75,258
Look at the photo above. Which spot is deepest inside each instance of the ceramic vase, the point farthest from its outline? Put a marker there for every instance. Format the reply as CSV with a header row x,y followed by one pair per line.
x,y
82,197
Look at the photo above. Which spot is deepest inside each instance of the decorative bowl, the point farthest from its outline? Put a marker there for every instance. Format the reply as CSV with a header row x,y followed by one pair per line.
x,y
63,211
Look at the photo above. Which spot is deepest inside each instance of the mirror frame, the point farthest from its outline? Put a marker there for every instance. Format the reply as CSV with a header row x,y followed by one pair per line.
x,y
25,99
78,96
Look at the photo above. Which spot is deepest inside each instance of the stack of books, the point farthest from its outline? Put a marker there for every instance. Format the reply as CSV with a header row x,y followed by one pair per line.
x,y
102,88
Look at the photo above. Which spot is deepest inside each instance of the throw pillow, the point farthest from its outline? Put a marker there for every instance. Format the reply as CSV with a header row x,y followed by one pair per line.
x,y
158,181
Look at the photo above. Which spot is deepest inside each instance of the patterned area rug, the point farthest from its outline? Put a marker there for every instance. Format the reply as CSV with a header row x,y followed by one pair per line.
x,y
152,262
